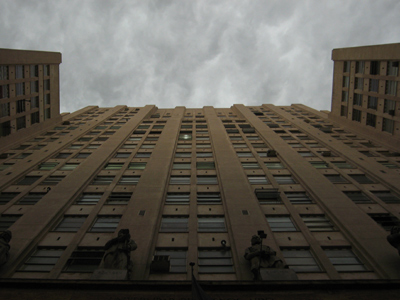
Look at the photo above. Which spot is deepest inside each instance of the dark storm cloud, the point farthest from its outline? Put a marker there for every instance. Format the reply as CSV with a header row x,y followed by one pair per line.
x,y
196,53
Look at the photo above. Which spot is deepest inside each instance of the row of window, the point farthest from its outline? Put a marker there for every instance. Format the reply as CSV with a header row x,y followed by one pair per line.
x,y
392,67
87,260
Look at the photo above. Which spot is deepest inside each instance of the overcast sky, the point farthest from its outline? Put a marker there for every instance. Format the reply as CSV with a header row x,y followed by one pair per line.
x,y
196,53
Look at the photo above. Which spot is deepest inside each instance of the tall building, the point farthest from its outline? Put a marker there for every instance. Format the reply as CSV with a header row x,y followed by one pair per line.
x,y
366,93
194,185
29,93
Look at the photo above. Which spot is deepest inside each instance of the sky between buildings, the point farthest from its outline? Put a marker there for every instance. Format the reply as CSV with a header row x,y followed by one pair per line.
x,y
196,53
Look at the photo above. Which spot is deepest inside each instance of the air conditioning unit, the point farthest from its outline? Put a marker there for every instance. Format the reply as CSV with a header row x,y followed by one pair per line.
x,y
160,264
307,120
391,112
271,153
66,123
326,153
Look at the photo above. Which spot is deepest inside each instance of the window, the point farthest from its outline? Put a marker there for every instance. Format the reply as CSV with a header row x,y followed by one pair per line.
x,y
280,223
129,180
122,155
215,261
207,180
319,164
174,224
52,180
6,221
208,198
391,87
3,72
129,146
142,155
71,223
357,99
28,180
184,146
147,146
359,83
203,154
388,125
205,166
356,115
300,260
179,180
200,146
374,67
114,166
342,165
345,96
284,179
360,67
42,260
387,197
358,197
274,165
7,197
88,198
371,120
20,106
211,224
5,109
177,259
47,166
69,167
344,260
84,260
4,91
346,81
177,198
119,198
185,137
298,198
257,179
268,196
389,107
181,166
137,166
336,178
105,224
21,123
82,155
389,165
183,154
305,154
239,145
387,221
346,66
244,154
20,88
317,223
361,178
393,68
102,180
31,198
250,165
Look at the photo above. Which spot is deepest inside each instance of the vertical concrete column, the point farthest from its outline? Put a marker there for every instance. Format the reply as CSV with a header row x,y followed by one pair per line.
x,y
237,196
143,214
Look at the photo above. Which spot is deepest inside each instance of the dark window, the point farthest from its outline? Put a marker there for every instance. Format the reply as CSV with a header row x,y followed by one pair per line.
x,y
88,198
42,260
300,260
358,197
106,224
317,223
102,180
28,180
336,179
52,180
387,221
31,198
211,224
6,221
298,198
280,223
84,260
361,178
268,196
174,224
177,259
215,261
207,180
71,223
374,67
119,198
387,197
344,260
7,197
208,198
177,198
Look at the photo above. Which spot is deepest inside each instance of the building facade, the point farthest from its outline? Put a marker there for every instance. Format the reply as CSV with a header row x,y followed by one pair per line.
x,y
195,185
29,93
366,90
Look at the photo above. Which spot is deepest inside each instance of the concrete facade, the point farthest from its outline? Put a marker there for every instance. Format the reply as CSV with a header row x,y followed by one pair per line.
x,y
366,91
